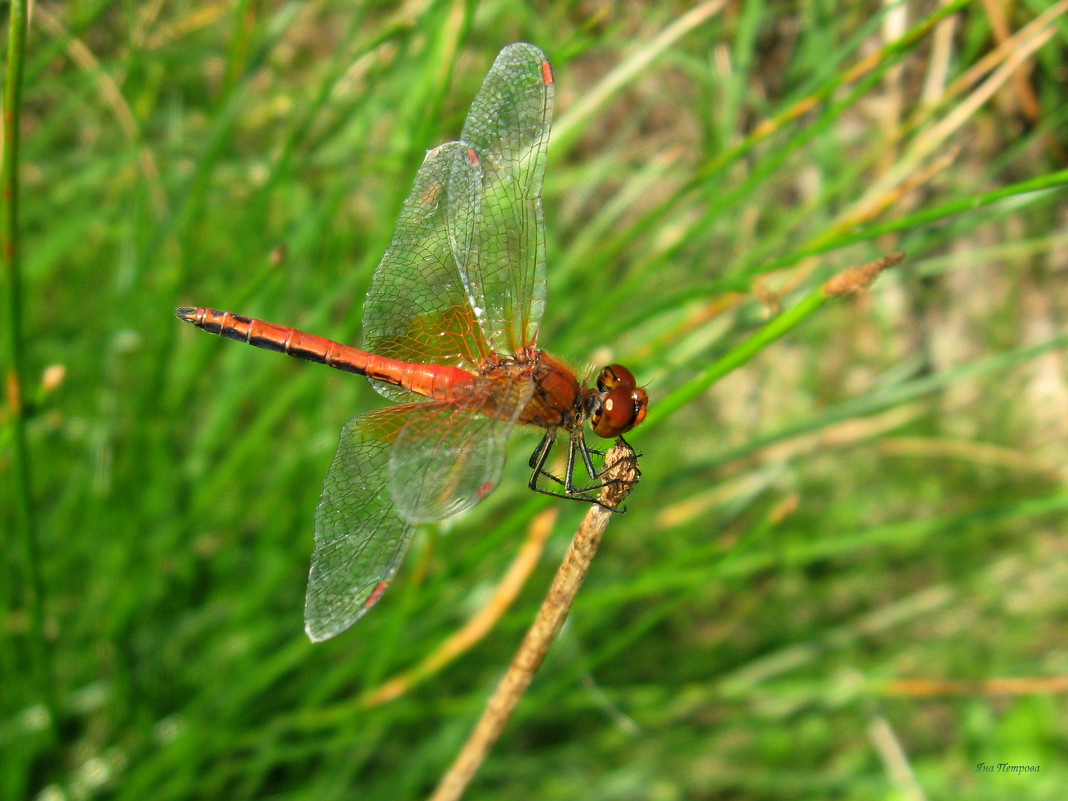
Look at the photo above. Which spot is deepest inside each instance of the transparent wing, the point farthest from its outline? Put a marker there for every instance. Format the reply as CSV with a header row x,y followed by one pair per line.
x,y
503,265
394,468
464,275
449,456
417,309
359,538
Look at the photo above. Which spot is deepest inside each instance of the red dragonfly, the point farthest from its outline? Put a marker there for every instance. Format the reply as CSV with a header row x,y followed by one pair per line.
x,y
450,331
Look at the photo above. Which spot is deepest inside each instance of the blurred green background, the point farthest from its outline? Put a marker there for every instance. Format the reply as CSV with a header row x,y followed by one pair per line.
x,y
844,573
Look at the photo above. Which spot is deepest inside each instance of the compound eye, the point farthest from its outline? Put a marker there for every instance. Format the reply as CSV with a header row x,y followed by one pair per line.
x,y
622,409
615,375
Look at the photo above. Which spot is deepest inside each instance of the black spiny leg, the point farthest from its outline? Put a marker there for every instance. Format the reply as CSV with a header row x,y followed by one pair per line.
x,y
576,446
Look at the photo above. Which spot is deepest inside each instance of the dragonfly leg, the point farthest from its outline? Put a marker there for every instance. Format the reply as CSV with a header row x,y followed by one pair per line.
x,y
537,467
577,442
576,447
537,463
540,455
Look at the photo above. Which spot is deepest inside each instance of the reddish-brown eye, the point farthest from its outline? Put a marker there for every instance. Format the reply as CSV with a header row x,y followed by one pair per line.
x,y
623,406
615,375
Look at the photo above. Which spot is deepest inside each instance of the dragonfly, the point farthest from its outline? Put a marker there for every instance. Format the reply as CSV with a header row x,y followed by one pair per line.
x,y
450,330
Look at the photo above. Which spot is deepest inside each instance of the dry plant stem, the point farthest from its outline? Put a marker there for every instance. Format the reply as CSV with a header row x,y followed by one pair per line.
x,y
478,626
935,688
622,474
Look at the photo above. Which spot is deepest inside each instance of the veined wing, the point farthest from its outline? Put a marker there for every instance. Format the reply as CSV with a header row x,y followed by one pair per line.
x,y
464,275
417,309
394,468
360,539
503,266
449,456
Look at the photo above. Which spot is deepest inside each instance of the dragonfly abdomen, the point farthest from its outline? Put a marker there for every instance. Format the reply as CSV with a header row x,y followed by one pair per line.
x,y
430,380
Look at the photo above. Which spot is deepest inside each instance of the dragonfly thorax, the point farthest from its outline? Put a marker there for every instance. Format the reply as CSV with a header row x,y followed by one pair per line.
x,y
557,399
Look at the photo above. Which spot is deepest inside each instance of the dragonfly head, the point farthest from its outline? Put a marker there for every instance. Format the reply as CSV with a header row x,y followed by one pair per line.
x,y
620,403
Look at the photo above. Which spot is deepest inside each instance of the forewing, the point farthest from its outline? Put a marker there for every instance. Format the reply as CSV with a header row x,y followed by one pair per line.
x,y
417,309
359,538
449,456
503,267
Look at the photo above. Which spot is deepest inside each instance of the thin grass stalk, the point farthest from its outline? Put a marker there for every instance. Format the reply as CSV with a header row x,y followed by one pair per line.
x,y
620,476
22,537
850,281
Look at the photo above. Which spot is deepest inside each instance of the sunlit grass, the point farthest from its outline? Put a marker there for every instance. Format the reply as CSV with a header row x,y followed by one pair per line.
x,y
836,547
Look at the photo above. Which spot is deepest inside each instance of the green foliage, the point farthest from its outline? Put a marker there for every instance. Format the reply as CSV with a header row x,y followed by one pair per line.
x,y
838,547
